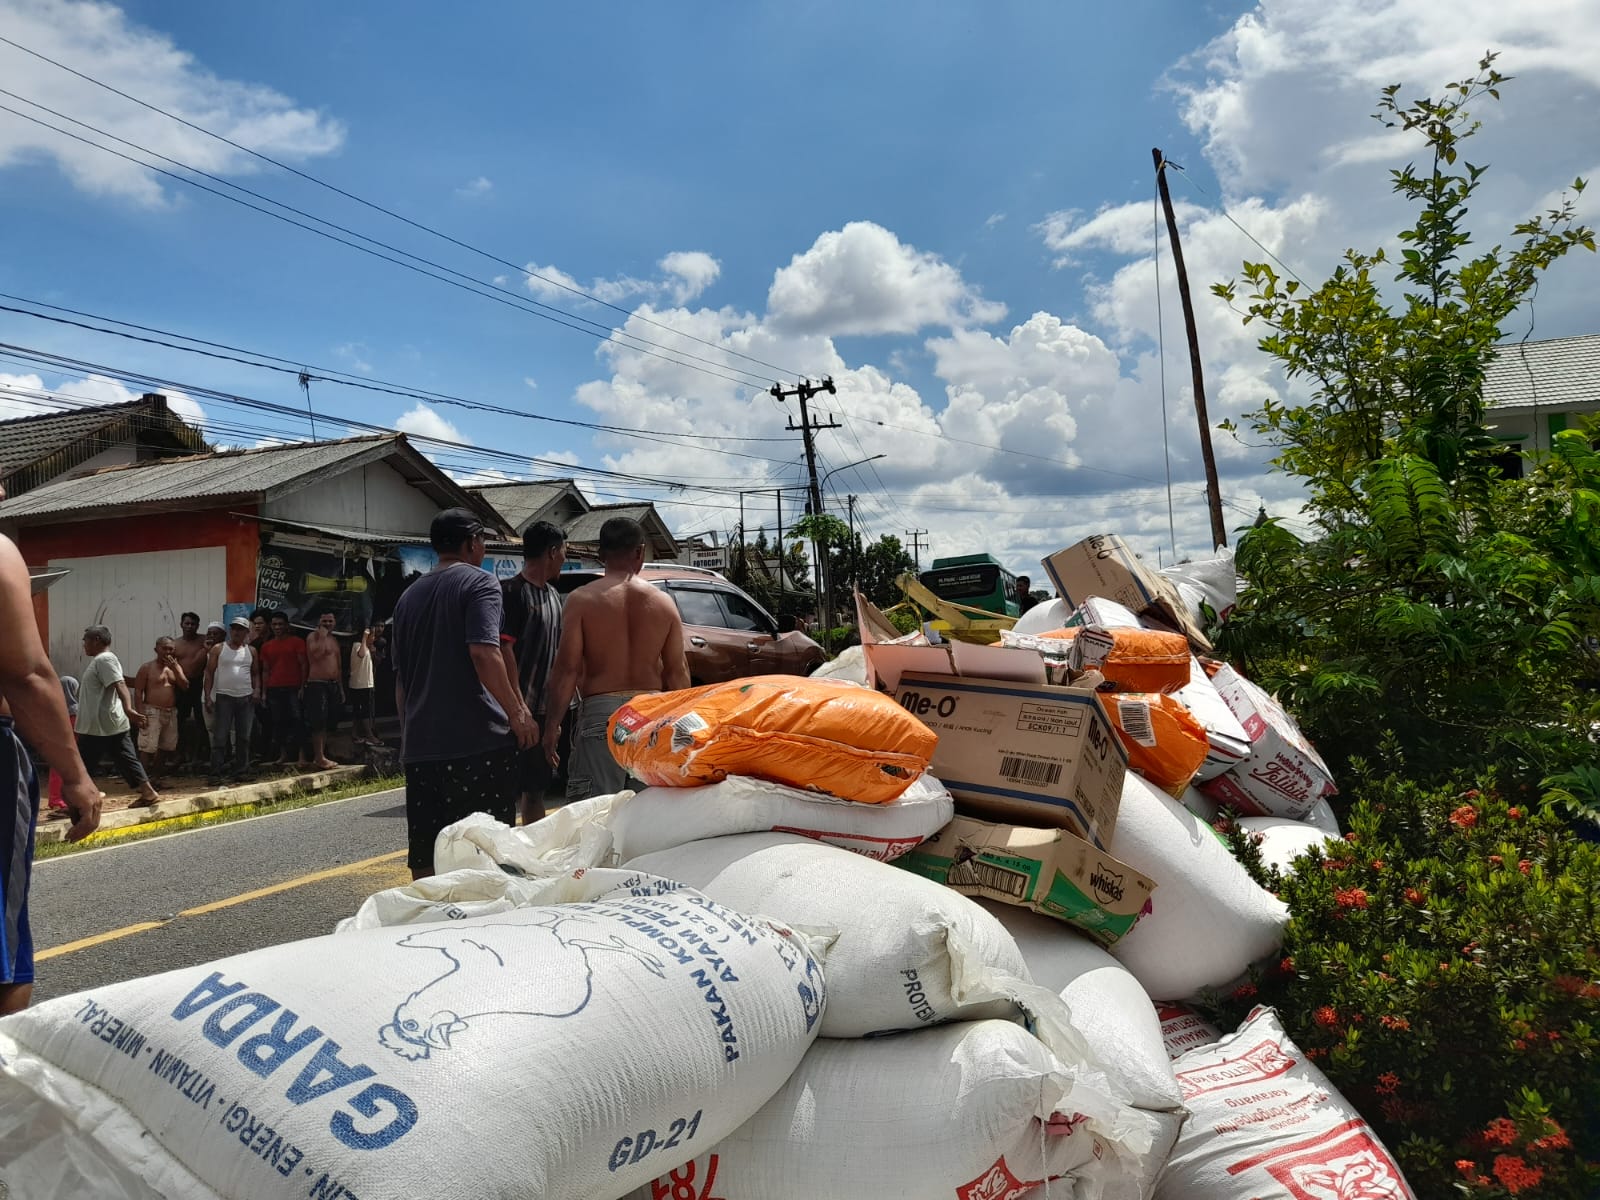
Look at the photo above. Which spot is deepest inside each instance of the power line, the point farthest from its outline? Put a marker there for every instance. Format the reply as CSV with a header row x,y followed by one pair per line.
x,y
310,178
345,380
1194,183
473,285
57,362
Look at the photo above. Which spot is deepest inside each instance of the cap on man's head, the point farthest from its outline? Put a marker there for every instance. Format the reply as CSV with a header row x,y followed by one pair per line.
x,y
218,625
99,633
238,623
452,527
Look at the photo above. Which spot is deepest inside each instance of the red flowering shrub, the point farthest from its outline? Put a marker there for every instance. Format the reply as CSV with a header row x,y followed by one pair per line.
x,y
1447,979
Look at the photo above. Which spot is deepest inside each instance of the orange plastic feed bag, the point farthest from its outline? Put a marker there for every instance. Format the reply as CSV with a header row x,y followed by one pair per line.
x,y
1138,660
825,735
1165,743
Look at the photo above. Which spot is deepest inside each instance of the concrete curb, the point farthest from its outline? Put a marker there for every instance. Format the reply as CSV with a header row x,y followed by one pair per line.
x,y
123,820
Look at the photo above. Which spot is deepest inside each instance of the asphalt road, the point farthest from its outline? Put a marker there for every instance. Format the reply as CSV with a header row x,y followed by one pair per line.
x,y
102,916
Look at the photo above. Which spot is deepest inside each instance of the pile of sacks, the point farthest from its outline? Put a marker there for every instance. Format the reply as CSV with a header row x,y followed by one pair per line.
x,y
796,965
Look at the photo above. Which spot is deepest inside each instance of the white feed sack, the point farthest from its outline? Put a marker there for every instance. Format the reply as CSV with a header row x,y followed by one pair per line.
x,y
661,818
1108,1006
1209,920
978,1110
573,837
647,1023
910,953
1265,1124
1043,617
850,665
1282,840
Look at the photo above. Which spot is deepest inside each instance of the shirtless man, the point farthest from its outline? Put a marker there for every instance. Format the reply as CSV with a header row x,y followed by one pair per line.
x,y
191,650
30,702
619,637
156,689
324,688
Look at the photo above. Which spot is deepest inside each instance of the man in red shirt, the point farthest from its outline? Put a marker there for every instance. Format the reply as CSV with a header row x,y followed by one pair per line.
x,y
284,670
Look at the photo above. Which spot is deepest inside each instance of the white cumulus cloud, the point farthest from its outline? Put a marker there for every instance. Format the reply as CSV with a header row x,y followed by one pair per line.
x,y
424,421
101,40
862,279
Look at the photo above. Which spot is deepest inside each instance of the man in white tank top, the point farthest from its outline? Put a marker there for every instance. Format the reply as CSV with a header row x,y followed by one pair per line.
x,y
233,688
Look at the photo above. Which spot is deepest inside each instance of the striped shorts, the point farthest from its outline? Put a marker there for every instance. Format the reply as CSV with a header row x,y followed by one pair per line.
x,y
18,817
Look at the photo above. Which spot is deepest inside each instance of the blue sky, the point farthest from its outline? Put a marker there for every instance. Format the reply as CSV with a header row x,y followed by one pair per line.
x,y
947,208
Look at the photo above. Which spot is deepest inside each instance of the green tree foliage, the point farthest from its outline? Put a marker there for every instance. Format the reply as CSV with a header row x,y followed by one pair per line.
x,y
1441,614
876,565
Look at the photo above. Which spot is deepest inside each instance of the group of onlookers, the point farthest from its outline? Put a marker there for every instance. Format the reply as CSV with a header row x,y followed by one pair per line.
x,y
487,673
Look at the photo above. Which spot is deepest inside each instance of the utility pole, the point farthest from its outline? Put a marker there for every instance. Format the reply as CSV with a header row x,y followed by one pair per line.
x,y
850,504
1219,531
916,536
803,391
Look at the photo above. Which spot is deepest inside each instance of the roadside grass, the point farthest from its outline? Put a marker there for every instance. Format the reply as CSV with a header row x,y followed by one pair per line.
x,y
300,798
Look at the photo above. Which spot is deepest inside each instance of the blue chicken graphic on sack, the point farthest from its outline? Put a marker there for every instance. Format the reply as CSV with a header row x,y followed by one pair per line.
x,y
489,965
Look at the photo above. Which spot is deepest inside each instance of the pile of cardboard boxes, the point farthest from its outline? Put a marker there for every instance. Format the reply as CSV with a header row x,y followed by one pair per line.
x,y
1037,767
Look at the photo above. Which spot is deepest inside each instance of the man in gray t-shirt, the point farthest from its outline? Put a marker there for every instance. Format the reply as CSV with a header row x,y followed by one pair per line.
x,y
106,715
461,719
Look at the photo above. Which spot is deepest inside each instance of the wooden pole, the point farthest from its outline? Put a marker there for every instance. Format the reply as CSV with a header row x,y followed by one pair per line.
x,y
1219,531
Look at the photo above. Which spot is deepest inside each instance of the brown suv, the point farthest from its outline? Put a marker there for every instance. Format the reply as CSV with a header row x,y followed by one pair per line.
x,y
726,634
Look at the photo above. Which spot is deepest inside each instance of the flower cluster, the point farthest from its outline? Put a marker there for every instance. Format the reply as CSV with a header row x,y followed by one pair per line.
x,y
1465,932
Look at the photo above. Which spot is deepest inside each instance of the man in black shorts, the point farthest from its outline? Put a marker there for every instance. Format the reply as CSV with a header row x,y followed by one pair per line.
x,y
462,722
529,635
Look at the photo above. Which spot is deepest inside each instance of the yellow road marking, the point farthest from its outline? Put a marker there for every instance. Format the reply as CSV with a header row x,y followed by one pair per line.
x,y
100,836
96,939
289,885
242,898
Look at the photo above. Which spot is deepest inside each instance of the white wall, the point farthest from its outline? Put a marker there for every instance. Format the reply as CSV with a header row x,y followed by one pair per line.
x,y
139,597
376,497
1533,424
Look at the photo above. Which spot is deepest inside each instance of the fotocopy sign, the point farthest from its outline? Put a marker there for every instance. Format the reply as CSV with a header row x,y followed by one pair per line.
x,y
714,559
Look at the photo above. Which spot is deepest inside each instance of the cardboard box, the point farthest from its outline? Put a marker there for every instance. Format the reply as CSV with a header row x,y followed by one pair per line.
x,y
1051,871
1105,565
1283,775
1025,752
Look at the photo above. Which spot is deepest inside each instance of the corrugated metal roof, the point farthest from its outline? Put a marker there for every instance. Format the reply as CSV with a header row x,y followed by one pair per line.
x,y
520,503
228,473
28,440
586,529
1558,373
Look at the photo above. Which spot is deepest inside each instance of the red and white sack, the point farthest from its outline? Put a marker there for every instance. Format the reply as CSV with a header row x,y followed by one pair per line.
x,y
1265,1124
1281,840
910,953
387,1061
1209,920
1183,1029
1108,1006
661,818
978,1110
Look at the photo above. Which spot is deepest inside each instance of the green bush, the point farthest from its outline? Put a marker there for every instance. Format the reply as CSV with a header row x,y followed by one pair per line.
x,y
1441,967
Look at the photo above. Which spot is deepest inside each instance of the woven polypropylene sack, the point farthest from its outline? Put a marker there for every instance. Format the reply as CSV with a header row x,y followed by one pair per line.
x,y
1209,920
400,1061
661,818
825,735
1183,1029
1265,1124
1281,840
1165,743
1108,1006
1137,660
910,953
974,1110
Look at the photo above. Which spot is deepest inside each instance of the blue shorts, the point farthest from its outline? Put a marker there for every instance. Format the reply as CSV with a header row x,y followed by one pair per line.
x,y
18,817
